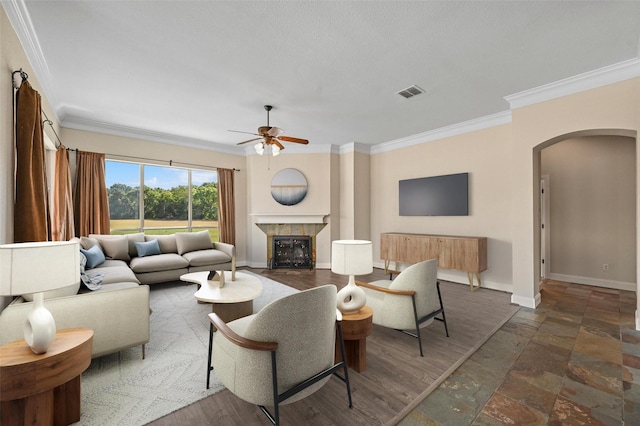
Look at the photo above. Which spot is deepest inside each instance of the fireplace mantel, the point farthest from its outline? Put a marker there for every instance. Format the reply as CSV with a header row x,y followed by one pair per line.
x,y
278,224
264,218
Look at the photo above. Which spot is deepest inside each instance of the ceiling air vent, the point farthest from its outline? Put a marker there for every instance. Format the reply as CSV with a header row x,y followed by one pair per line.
x,y
410,92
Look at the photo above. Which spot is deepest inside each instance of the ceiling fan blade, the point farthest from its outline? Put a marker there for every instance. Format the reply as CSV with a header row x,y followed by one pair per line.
x,y
277,142
240,131
296,140
250,140
275,131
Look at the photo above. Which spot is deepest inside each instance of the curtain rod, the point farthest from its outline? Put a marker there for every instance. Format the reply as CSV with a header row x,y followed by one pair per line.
x,y
171,162
23,75
50,123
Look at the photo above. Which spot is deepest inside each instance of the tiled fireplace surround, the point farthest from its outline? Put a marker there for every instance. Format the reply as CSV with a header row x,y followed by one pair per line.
x,y
290,225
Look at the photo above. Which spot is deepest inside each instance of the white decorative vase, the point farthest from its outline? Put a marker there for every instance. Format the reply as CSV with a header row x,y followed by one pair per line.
x,y
351,298
39,327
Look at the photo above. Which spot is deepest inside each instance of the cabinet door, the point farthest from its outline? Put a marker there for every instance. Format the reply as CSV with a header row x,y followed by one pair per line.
x,y
466,252
414,249
392,246
447,253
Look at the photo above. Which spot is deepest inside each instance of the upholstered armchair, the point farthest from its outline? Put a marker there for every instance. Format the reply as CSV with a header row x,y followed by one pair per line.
x,y
410,300
283,353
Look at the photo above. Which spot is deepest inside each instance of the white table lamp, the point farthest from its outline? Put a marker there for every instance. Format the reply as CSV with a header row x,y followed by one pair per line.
x,y
33,268
351,257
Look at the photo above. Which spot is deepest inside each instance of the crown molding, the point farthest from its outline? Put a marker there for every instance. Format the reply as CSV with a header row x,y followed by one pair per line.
x,y
354,147
71,122
485,122
23,26
579,83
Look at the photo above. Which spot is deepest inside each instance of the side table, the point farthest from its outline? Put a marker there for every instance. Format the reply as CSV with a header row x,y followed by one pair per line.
x,y
355,329
44,389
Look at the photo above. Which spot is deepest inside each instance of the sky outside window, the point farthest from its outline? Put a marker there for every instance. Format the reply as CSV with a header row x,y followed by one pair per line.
x,y
154,176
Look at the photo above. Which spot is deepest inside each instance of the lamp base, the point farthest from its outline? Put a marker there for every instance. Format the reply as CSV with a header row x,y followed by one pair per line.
x,y
39,327
351,298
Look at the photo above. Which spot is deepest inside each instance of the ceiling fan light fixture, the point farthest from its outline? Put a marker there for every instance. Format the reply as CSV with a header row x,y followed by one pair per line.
x,y
275,150
259,147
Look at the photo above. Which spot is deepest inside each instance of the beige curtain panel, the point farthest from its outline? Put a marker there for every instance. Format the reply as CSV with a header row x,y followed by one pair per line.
x,y
226,207
62,227
91,204
31,210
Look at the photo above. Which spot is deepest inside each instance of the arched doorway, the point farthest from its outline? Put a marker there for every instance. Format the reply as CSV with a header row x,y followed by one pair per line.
x,y
537,154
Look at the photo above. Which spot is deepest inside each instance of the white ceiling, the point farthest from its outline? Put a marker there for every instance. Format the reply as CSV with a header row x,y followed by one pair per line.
x,y
190,71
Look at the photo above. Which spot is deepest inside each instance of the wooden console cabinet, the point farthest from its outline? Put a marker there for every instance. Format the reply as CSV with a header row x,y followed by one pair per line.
x,y
467,254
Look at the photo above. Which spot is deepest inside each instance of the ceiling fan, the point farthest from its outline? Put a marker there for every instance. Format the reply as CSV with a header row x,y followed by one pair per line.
x,y
272,136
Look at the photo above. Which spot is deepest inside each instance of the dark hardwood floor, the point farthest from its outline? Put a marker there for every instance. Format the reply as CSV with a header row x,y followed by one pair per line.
x,y
396,375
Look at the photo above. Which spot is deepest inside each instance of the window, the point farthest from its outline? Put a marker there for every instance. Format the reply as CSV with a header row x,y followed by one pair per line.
x,y
172,199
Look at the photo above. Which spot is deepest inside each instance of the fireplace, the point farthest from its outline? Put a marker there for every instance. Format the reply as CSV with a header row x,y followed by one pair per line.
x,y
293,232
292,251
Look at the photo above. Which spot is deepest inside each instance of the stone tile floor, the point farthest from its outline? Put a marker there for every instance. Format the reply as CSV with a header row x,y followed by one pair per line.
x,y
574,360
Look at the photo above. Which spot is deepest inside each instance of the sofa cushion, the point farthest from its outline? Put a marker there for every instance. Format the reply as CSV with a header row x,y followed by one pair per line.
x,y
114,271
206,257
167,243
191,241
160,262
86,243
94,256
133,239
115,246
148,248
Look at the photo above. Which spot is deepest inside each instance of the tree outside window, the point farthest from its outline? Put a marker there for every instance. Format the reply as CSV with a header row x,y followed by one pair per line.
x,y
172,199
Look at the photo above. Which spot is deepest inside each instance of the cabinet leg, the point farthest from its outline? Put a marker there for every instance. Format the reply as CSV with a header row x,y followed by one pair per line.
x,y
478,278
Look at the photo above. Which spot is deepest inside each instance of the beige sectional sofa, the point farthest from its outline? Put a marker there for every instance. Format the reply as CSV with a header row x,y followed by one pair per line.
x,y
118,312
177,254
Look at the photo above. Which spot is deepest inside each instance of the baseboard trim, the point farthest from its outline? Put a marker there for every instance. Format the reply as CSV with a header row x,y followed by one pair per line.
x,y
527,302
598,282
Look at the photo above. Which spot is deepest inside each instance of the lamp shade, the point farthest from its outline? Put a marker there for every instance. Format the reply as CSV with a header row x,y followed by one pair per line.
x,y
36,267
351,257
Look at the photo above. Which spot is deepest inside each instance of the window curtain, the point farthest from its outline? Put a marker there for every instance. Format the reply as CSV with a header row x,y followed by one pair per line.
x,y
31,209
226,207
62,227
90,202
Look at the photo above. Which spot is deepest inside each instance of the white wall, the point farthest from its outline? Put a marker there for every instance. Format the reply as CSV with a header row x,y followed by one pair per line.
x,y
484,155
317,169
611,109
592,208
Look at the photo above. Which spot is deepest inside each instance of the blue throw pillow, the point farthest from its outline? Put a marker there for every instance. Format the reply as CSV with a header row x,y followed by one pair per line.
x,y
148,248
94,256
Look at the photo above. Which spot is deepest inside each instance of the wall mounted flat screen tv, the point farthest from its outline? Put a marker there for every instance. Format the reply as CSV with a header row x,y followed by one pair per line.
x,y
435,196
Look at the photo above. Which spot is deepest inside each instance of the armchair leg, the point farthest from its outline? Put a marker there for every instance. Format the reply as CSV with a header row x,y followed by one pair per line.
x,y
209,366
344,363
274,378
444,318
415,316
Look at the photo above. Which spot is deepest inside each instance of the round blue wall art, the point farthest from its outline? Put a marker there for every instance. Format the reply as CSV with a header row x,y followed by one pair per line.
x,y
288,187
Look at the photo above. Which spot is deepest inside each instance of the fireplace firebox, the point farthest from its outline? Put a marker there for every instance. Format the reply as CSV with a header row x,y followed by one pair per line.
x,y
292,251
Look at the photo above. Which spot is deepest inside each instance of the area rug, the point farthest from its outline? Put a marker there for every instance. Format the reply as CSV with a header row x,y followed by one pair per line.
x,y
124,389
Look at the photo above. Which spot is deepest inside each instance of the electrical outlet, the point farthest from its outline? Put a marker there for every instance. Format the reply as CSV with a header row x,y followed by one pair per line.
x,y
605,266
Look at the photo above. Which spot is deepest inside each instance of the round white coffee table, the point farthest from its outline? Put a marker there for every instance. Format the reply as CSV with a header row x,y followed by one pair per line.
x,y
234,300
